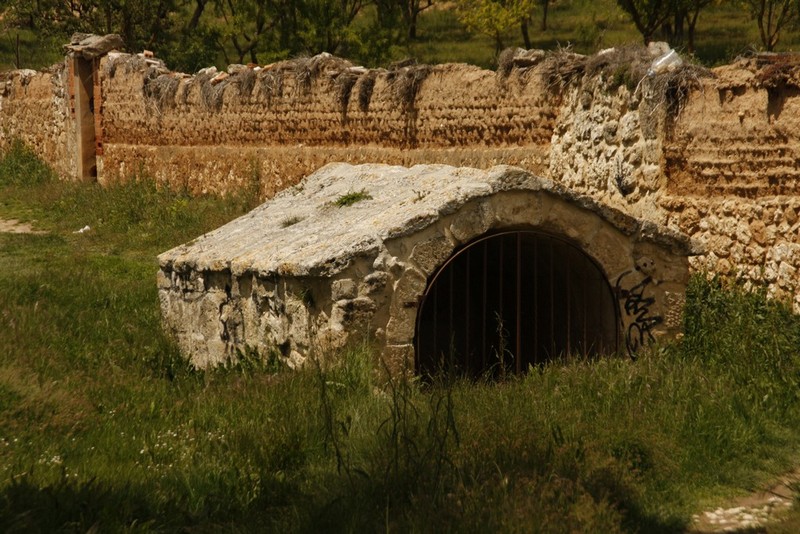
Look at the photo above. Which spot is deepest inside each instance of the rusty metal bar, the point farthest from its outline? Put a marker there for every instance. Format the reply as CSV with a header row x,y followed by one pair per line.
x,y
552,304
467,355
518,355
501,319
569,307
586,317
536,347
435,354
485,305
567,286
451,349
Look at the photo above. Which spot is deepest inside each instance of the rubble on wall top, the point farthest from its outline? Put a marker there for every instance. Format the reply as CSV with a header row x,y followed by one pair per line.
x,y
89,46
344,211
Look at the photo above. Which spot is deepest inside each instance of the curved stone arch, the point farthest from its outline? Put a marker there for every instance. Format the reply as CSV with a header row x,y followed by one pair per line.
x,y
646,266
511,299
304,271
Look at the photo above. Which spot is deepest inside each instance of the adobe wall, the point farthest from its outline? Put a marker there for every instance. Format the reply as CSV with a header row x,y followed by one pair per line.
x,y
281,123
713,154
732,172
34,107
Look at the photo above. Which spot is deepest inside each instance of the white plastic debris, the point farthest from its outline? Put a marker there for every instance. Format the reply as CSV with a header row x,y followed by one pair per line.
x,y
82,230
669,61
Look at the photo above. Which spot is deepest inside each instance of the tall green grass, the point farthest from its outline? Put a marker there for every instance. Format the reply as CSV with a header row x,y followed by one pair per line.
x,y
103,426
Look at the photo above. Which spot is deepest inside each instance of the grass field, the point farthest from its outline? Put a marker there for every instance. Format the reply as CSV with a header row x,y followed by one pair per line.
x,y
103,426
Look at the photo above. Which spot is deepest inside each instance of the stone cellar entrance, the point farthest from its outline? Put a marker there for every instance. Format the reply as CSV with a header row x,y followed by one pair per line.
x,y
483,272
511,300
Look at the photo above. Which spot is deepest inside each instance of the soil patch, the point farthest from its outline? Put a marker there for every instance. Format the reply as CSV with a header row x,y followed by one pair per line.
x,y
749,513
13,226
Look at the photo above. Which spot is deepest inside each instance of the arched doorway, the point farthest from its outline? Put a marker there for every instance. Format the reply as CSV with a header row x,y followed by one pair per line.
x,y
510,300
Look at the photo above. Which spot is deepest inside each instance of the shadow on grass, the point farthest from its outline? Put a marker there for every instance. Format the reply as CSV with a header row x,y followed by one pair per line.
x,y
73,506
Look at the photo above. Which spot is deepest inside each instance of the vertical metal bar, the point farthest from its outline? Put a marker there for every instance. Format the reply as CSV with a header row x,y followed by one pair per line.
x,y
500,317
587,286
484,306
435,345
518,355
536,244
567,265
451,349
467,283
552,304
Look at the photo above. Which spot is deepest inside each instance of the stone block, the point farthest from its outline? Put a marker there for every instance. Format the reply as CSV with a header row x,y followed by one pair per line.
x,y
432,253
402,325
398,360
468,224
343,289
373,283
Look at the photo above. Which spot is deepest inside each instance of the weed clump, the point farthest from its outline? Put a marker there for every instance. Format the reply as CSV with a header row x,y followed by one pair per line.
x,y
561,68
290,221
512,59
19,166
365,88
405,83
307,70
246,79
348,199
211,92
343,85
271,84
775,70
162,91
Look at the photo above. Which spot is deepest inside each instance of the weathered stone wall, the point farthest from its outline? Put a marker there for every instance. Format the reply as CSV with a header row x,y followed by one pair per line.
x,y
221,169
720,163
280,123
732,169
34,107
714,154
300,273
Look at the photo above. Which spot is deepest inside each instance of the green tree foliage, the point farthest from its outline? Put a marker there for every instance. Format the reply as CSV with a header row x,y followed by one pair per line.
x,y
141,23
772,16
495,17
648,15
690,12
191,34
673,18
411,10
273,29
245,25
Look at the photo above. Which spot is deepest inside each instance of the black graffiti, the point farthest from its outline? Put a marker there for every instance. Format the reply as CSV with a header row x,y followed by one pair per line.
x,y
637,305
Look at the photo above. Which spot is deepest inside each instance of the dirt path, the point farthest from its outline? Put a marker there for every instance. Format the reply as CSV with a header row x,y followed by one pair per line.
x,y
13,226
748,513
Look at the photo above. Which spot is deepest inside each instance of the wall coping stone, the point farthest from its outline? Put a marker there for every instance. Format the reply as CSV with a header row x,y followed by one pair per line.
x,y
303,232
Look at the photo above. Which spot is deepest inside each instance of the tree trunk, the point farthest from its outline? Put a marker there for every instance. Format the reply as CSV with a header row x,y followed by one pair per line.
x,y
545,5
691,24
526,38
17,62
199,7
498,43
677,36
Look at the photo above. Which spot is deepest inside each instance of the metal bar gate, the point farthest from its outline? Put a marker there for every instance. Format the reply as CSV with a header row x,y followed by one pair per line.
x,y
512,300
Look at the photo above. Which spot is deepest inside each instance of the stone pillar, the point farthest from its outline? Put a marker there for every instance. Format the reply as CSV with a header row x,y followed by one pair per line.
x,y
83,89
